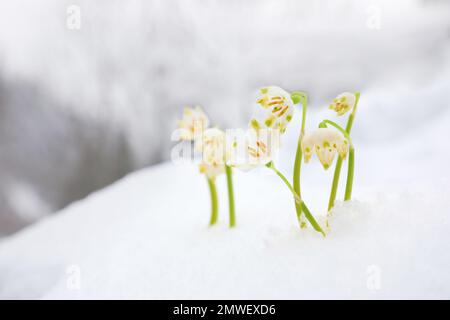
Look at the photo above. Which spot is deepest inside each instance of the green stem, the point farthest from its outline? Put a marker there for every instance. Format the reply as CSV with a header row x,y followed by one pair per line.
x,y
298,200
337,171
214,202
311,219
229,172
298,155
350,174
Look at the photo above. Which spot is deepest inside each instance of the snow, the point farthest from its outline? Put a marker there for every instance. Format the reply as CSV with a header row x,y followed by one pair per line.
x,y
146,236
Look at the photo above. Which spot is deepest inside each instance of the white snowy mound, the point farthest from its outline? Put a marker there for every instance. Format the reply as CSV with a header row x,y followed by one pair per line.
x,y
147,237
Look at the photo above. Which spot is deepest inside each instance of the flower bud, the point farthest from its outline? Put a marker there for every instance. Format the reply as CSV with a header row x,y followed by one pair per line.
x,y
193,123
343,103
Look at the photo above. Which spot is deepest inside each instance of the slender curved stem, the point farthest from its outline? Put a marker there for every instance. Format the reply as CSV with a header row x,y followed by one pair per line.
x,y
297,198
337,170
337,173
214,202
229,173
350,174
311,219
334,124
296,181
298,157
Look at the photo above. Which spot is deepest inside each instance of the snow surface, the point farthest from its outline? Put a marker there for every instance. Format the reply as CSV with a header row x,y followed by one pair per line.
x,y
147,237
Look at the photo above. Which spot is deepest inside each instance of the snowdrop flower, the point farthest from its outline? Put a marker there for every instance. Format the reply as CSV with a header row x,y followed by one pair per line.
x,y
325,143
259,153
343,103
194,121
211,143
211,168
212,146
256,149
274,110
212,140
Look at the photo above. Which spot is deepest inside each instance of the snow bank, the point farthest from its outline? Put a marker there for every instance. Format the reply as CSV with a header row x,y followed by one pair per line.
x,y
147,237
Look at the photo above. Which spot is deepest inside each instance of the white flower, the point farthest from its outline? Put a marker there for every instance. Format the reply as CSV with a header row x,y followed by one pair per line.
x,y
193,123
212,146
325,143
211,143
257,148
211,168
343,103
212,139
274,110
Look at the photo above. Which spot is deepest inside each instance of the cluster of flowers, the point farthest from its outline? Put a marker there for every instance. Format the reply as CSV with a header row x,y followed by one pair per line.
x,y
259,145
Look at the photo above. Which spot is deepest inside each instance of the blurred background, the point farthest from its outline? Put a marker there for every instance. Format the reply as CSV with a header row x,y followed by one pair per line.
x,y
90,90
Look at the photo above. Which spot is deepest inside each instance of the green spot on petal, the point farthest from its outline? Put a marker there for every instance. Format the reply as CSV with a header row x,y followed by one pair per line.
x,y
255,124
269,122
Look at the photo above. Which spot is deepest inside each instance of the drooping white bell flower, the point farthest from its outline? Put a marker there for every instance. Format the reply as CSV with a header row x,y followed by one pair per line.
x,y
211,168
343,103
325,143
274,109
255,149
212,139
212,147
193,123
